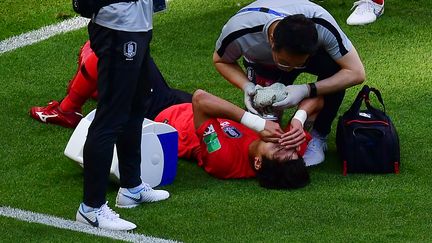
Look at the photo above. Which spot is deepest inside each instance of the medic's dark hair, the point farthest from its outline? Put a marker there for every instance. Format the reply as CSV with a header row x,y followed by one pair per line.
x,y
296,34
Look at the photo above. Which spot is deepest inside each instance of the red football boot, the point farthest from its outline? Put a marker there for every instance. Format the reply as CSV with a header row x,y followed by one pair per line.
x,y
52,114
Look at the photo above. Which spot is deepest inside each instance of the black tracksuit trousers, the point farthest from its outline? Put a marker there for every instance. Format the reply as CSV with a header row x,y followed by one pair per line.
x,y
130,87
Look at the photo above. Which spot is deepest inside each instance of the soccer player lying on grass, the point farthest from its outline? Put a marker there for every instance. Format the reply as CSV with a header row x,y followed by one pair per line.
x,y
83,86
225,140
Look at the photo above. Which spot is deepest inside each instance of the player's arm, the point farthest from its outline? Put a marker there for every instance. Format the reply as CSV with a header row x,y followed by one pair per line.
x,y
308,108
206,106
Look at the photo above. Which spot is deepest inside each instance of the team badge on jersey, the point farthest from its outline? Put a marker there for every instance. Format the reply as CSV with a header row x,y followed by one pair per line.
x,y
231,131
211,139
130,49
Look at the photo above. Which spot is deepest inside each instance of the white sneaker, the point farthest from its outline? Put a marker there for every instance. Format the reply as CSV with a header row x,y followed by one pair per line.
x,y
315,150
366,11
103,217
126,199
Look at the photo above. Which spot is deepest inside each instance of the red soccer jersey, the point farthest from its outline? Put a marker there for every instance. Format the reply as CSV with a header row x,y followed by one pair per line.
x,y
221,146
181,118
225,148
229,160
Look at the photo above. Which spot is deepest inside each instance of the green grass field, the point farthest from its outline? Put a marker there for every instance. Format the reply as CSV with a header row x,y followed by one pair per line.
x,y
36,176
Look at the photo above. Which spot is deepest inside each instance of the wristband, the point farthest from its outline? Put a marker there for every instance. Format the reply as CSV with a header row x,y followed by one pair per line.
x,y
312,90
301,115
252,121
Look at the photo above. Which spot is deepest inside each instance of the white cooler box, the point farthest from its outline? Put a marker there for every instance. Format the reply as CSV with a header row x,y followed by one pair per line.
x,y
159,148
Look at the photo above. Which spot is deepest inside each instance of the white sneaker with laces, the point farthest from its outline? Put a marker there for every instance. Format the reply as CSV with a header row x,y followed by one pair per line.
x,y
126,199
104,218
366,12
314,153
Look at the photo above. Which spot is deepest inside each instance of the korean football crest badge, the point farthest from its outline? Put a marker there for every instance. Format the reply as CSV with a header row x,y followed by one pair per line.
x,y
130,49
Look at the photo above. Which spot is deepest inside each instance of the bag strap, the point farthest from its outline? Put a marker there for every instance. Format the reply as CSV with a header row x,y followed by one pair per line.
x,y
363,95
378,95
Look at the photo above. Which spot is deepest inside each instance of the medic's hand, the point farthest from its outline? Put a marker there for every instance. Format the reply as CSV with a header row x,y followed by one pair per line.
x,y
272,132
249,92
294,137
296,93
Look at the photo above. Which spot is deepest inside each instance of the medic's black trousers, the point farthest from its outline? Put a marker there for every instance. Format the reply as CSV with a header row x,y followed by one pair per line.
x,y
130,87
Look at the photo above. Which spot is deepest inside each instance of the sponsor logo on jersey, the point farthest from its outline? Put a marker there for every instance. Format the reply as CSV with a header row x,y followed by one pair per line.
x,y
130,49
209,130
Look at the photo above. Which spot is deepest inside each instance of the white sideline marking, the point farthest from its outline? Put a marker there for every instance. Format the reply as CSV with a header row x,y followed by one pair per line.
x,y
43,33
32,217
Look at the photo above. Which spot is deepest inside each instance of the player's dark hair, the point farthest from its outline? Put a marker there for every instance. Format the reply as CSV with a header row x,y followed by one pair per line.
x,y
296,34
290,174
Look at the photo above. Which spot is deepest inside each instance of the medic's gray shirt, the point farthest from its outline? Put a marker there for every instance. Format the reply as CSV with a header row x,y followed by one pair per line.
x,y
246,33
127,16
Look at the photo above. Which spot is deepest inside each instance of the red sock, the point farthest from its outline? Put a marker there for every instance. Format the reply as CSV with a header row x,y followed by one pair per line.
x,y
72,102
381,2
83,85
79,93
91,68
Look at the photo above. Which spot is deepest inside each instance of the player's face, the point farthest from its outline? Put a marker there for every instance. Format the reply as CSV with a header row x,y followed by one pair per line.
x,y
275,151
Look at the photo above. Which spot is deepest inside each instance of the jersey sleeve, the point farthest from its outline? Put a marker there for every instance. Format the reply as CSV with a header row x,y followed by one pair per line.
x,y
331,36
228,47
181,118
